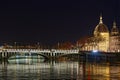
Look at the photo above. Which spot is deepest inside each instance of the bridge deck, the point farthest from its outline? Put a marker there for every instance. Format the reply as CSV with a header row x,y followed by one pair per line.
x,y
41,50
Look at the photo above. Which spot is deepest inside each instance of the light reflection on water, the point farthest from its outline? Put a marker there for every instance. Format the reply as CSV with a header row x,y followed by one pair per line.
x,y
60,70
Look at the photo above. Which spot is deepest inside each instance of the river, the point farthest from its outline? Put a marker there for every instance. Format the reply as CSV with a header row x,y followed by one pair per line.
x,y
63,70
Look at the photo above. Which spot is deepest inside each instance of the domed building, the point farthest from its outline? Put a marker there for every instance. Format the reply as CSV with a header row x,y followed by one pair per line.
x,y
114,39
103,40
100,39
101,33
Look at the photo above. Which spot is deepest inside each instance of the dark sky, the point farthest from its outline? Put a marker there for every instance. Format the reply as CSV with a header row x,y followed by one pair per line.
x,y
52,21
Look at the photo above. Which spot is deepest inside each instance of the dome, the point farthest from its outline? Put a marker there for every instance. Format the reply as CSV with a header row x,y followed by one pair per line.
x,y
101,28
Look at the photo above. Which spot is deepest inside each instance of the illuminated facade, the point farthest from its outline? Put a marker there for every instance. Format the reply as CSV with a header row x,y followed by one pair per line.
x,y
114,39
103,40
100,40
101,32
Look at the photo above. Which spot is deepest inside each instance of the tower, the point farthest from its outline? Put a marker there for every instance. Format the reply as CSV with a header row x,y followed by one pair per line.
x,y
114,39
114,30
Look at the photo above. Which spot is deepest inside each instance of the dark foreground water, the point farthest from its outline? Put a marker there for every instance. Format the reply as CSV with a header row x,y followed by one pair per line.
x,y
67,70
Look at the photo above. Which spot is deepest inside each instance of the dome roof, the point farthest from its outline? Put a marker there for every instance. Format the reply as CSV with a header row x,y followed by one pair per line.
x,y
100,28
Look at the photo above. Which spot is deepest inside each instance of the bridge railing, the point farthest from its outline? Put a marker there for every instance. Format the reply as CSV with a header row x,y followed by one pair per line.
x,y
65,51
41,50
24,50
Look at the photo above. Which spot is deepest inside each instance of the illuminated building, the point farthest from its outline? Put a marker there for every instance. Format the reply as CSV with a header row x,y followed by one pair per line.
x,y
101,33
100,40
114,39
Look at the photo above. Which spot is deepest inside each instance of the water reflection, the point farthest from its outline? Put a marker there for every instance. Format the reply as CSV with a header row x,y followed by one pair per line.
x,y
60,70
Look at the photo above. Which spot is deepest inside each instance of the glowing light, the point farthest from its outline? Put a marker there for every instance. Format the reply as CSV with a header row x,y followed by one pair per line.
x,y
95,51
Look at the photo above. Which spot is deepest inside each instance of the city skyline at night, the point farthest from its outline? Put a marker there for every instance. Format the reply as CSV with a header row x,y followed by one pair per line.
x,y
50,22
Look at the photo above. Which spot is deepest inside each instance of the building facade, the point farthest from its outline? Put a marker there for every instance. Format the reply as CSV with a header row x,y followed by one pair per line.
x,y
114,39
101,33
103,39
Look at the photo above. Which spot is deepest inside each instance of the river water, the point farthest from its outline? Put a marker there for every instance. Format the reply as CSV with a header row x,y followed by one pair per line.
x,y
64,70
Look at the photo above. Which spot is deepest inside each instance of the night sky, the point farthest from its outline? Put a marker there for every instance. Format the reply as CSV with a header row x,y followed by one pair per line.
x,y
52,21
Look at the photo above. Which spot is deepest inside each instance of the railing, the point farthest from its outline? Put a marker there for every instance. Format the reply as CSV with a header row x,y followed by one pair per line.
x,y
41,50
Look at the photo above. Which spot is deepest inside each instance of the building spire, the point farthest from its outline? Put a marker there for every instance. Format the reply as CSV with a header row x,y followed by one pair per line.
x,y
100,19
114,24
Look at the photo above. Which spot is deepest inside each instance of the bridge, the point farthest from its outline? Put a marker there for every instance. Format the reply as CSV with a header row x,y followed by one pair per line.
x,y
56,53
47,53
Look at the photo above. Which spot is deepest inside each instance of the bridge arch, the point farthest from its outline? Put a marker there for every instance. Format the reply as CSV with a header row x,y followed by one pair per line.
x,y
16,55
44,55
68,56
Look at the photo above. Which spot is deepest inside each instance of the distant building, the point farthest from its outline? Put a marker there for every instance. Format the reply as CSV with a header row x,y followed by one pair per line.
x,y
114,39
102,39
101,31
